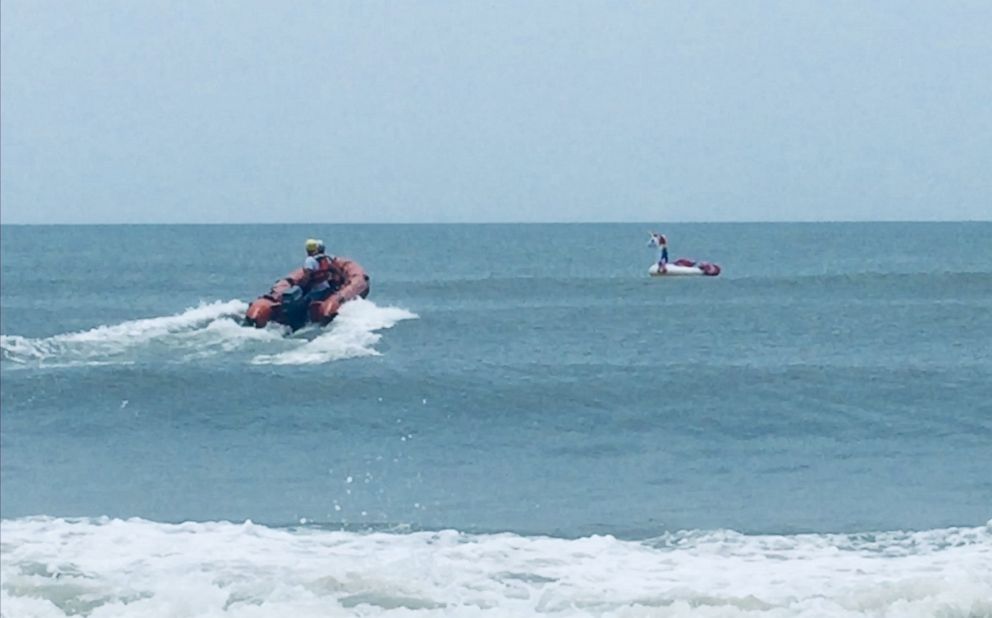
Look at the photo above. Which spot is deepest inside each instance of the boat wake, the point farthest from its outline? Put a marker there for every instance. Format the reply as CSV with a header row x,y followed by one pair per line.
x,y
352,334
204,331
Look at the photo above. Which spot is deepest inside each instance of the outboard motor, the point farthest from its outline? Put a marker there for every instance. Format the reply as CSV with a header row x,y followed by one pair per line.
x,y
294,307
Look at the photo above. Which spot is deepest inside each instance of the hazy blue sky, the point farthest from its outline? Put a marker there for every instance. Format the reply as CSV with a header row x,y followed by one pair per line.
x,y
235,111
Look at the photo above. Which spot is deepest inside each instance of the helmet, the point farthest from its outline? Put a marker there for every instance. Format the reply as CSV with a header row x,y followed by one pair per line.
x,y
320,246
312,246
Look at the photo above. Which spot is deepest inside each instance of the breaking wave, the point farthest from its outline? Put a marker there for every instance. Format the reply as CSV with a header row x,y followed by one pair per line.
x,y
106,567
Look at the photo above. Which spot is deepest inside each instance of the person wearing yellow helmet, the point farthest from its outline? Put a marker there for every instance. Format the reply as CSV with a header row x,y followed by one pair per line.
x,y
318,268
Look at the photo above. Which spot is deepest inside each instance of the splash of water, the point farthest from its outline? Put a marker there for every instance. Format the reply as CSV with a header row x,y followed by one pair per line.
x,y
352,334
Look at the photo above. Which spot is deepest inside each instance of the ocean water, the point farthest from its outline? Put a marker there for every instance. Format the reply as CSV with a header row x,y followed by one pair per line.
x,y
518,422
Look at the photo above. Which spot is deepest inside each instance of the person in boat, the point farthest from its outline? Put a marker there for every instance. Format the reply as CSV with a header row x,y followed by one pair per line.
x,y
661,242
319,270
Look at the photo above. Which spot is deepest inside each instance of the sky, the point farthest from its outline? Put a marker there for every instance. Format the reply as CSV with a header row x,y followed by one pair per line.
x,y
243,111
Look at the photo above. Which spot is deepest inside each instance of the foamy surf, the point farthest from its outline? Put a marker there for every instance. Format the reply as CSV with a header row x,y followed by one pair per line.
x,y
56,567
352,334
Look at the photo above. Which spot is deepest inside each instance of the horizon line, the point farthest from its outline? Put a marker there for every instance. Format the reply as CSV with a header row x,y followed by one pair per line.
x,y
644,222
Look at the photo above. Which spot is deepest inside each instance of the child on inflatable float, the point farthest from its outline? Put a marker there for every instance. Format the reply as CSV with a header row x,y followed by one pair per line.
x,y
681,266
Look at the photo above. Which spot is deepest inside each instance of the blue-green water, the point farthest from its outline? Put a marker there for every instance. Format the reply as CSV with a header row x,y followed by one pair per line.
x,y
836,378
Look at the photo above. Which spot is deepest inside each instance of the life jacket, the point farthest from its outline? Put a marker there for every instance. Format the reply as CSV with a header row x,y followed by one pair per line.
x,y
323,272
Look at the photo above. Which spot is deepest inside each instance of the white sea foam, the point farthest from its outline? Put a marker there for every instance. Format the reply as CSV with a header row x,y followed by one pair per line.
x,y
100,568
207,330
108,343
352,334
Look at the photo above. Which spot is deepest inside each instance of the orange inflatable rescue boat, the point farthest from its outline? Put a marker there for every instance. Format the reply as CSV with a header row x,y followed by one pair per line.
x,y
286,302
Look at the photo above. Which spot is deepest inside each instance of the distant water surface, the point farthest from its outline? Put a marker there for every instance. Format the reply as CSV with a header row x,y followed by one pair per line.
x,y
522,387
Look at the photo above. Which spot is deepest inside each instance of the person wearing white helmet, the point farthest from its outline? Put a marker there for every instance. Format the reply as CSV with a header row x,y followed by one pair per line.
x,y
318,269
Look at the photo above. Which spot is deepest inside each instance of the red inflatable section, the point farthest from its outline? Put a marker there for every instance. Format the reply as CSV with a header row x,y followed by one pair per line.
x,y
709,268
347,276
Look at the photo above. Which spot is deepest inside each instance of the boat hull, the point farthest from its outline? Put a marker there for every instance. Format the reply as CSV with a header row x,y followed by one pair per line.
x,y
283,303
